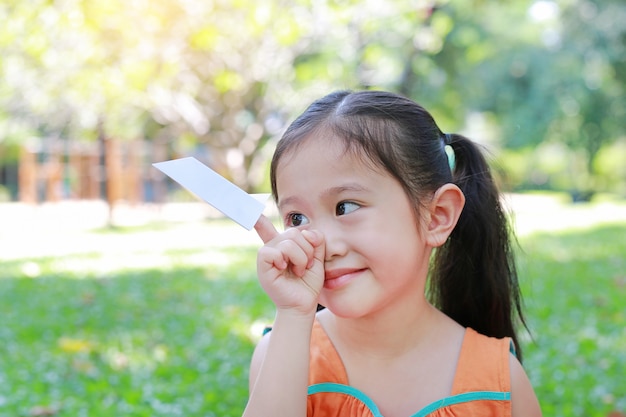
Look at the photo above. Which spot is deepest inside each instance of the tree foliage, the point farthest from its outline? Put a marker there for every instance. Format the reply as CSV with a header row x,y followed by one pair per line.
x,y
231,74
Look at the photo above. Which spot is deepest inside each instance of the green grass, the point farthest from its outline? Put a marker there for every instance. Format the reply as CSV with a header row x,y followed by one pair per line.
x,y
161,320
575,288
94,334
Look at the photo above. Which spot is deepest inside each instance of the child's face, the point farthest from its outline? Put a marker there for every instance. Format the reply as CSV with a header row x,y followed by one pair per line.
x,y
375,255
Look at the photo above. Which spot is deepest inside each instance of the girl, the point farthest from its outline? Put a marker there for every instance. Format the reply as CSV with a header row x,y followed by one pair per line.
x,y
368,187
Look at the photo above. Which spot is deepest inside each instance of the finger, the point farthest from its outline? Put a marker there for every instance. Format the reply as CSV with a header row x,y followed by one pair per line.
x,y
316,239
296,255
308,241
313,237
271,258
265,229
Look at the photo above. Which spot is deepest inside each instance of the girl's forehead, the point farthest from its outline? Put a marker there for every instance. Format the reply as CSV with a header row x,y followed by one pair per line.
x,y
319,164
326,150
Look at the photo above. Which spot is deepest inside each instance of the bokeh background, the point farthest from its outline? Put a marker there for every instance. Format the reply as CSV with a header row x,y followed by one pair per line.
x,y
120,294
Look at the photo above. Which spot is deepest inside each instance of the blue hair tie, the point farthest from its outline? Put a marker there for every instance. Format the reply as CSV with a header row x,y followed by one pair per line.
x,y
447,140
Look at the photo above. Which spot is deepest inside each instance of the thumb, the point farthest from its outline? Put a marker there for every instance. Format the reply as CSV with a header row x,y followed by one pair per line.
x,y
265,229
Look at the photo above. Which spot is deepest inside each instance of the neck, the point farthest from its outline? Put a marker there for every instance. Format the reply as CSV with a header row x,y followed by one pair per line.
x,y
389,332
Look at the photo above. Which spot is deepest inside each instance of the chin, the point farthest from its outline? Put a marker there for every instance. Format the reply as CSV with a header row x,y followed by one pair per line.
x,y
346,310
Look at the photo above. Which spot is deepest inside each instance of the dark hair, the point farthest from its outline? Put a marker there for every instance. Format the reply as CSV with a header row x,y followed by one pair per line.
x,y
473,277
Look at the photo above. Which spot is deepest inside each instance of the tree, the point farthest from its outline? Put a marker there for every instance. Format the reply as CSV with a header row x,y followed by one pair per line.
x,y
553,72
222,79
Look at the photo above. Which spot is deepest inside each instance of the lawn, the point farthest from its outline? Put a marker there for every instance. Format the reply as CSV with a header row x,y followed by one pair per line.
x,y
160,318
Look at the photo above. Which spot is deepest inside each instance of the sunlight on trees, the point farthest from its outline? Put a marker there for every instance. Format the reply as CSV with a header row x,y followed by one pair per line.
x,y
221,79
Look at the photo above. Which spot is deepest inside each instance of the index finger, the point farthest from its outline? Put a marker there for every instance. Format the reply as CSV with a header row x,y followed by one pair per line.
x,y
265,229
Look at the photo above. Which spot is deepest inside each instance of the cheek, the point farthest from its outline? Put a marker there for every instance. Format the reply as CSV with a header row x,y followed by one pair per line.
x,y
379,246
397,245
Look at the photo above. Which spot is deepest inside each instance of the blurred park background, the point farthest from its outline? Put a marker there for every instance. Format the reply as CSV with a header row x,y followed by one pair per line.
x,y
120,295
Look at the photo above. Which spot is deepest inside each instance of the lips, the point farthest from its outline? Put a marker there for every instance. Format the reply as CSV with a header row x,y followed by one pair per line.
x,y
337,278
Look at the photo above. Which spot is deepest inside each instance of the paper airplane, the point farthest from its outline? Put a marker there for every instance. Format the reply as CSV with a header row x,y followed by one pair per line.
x,y
216,190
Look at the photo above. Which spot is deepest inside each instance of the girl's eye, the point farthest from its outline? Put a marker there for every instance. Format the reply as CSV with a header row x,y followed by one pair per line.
x,y
296,219
346,207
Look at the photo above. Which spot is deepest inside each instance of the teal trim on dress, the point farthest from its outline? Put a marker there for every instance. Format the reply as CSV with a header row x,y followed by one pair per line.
x,y
348,390
329,387
463,398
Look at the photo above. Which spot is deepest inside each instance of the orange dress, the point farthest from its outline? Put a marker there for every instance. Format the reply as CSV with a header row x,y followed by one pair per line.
x,y
481,386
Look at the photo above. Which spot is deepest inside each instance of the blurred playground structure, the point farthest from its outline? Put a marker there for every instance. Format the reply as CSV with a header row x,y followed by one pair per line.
x,y
108,169
92,93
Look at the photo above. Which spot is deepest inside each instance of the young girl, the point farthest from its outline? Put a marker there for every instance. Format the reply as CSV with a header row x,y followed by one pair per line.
x,y
369,188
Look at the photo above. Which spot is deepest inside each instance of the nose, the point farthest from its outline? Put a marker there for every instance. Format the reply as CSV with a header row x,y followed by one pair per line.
x,y
335,240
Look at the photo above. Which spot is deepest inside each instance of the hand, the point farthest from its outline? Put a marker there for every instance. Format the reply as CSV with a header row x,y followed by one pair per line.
x,y
290,266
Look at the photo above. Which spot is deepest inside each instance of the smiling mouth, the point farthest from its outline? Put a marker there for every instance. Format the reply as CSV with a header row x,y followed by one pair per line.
x,y
340,277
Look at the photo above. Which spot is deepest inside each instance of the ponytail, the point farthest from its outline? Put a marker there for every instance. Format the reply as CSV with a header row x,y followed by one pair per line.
x,y
474,279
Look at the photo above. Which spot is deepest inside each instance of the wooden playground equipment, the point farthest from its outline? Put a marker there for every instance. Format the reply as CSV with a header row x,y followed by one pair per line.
x,y
108,169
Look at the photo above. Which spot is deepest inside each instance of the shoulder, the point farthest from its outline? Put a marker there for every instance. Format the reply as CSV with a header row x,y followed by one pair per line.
x,y
486,363
488,353
483,364
523,399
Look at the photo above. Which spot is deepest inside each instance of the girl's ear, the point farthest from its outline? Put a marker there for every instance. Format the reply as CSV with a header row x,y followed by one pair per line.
x,y
443,213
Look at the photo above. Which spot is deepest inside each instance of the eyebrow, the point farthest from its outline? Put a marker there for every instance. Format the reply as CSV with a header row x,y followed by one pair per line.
x,y
329,192
349,187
